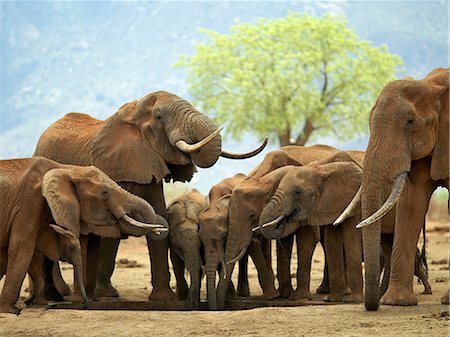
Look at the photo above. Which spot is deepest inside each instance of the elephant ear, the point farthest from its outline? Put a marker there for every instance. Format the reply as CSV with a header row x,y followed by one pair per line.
x,y
439,78
192,210
340,181
58,189
122,152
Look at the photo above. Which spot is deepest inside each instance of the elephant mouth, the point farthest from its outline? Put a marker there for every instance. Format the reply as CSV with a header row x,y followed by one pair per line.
x,y
279,224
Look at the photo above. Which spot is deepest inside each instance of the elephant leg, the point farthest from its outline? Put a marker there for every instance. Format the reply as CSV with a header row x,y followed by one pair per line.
x,y
284,252
60,284
324,287
265,277
420,272
160,270
306,238
445,298
353,261
386,245
105,269
36,273
20,254
243,288
335,256
93,254
3,261
50,291
178,269
410,216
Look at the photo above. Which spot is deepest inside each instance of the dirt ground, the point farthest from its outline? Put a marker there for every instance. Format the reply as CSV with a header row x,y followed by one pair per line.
x,y
133,281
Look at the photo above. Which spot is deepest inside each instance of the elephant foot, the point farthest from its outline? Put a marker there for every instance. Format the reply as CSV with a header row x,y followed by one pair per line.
x,y
285,292
163,294
396,297
105,290
271,294
354,298
445,299
427,291
243,291
9,309
323,289
300,294
334,297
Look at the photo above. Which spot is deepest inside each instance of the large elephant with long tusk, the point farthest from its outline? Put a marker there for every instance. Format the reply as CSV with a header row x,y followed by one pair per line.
x,y
407,158
159,136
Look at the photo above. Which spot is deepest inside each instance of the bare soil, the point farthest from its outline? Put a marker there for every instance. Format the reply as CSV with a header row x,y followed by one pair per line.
x,y
132,279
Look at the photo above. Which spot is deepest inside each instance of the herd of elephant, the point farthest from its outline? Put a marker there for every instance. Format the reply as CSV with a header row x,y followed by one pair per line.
x,y
92,182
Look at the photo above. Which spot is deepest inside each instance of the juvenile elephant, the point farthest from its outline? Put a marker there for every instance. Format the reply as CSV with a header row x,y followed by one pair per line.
x,y
185,244
314,195
407,158
35,192
57,244
213,233
159,136
246,203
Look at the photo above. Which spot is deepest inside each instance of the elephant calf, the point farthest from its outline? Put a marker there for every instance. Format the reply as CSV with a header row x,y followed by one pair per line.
x,y
186,245
35,192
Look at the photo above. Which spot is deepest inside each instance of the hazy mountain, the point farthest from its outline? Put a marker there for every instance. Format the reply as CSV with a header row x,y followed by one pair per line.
x,y
92,57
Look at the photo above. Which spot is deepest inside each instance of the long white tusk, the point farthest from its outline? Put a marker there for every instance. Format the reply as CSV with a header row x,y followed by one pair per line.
x,y
143,225
397,188
350,208
237,258
274,222
231,155
189,148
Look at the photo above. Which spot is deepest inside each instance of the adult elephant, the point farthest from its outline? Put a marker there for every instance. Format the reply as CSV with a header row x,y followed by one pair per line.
x,y
314,195
407,158
35,192
159,136
245,206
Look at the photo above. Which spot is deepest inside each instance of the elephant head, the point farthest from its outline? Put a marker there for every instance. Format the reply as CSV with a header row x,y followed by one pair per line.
x,y
213,233
312,195
85,200
184,238
409,122
158,136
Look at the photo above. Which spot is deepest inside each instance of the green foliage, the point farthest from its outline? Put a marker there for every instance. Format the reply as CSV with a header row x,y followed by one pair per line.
x,y
289,77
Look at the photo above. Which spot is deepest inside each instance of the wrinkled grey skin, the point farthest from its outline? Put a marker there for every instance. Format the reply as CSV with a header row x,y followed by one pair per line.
x,y
186,245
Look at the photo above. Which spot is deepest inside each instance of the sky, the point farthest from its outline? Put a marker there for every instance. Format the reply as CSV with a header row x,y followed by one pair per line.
x,y
92,57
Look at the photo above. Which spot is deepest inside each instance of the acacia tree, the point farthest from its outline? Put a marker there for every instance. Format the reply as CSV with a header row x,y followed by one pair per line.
x,y
289,77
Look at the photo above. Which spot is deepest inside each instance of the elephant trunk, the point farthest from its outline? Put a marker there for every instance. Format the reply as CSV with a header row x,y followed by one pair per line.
x,y
79,276
192,128
378,177
131,210
194,266
212,263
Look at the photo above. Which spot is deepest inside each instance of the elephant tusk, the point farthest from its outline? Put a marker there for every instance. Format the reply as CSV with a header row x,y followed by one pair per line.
x,y
237,258
224,269
142,225
274,222
397,188
254,229
350,208
231,155
189,148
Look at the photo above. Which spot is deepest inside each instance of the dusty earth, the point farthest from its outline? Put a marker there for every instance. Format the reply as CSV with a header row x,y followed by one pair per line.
x,y
132,280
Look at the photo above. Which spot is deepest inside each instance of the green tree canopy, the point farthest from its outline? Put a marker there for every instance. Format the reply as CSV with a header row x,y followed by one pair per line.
x,y
289,77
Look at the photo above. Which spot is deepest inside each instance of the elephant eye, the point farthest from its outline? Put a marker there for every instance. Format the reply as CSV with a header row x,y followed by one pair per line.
x,y
297,192
104,194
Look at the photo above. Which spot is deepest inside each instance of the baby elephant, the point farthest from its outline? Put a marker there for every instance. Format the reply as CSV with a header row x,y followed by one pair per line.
x,y
35,192
57,244
186,245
